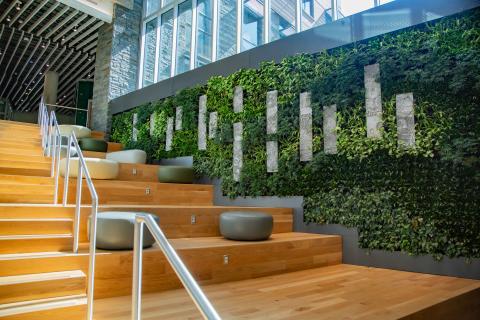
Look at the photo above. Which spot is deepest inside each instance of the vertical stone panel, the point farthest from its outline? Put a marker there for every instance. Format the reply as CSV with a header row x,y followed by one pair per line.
x,y
373,100
272,120
237,150
178,118
272,110
169,135
329,129
306,153
134,127
212,125
202,123
405,120
238,99
272,156
152,123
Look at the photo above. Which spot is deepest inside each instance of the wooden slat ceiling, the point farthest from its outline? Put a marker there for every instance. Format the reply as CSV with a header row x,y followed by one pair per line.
x,y
41,35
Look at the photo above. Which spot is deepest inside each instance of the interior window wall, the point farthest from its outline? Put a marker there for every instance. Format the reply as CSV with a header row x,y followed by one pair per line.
x,y
203,54
151,6
173,34
149,52
227,28
184,36
166,43
282,18
315,13
252,27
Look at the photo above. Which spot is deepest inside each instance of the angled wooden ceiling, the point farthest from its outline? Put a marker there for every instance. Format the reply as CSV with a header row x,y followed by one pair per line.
x,y
41,35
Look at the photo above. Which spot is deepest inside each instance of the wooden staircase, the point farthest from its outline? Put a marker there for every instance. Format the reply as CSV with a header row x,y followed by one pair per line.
x,y
29,229
40,277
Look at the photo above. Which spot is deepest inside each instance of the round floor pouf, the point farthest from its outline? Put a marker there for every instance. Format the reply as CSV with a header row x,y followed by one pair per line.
x,y
101,169
115,230
175,174
90,144
246,225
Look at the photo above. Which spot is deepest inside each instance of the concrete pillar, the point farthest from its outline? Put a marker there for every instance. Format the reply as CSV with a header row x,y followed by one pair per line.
x,y
50,87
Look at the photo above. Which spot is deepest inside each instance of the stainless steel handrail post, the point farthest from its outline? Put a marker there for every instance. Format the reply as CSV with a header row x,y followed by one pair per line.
x,y
67,172
137,270
197,295
92,257
78,205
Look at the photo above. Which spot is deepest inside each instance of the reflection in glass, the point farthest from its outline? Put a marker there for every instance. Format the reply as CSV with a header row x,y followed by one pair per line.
x,y
166,41
151,6
204,32
252,28
315,13
149,53
349,7
282,18
227,28
184,36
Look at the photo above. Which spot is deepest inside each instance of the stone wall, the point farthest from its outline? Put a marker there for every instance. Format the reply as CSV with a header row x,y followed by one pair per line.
x,y
116,61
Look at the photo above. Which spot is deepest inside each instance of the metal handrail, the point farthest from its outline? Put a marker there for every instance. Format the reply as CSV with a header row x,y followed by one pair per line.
x,y
51,142
197,295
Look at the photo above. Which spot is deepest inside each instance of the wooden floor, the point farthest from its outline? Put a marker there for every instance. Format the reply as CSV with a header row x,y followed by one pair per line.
x,y
334,292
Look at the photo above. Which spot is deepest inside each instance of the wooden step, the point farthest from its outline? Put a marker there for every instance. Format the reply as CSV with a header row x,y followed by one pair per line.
x,y
69,307
206,260
27,152
199,221
138,172
30,168
5,123
26,180
35,243
26,158
32,211
139,192
21,136
204,257
16,143
26,193
39,262
38,226
41,286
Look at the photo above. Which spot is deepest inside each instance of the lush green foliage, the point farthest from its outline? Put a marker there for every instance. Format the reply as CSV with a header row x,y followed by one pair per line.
x,y
423,200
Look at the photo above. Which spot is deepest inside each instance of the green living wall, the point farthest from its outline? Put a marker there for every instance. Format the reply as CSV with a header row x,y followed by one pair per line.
x,y
424,200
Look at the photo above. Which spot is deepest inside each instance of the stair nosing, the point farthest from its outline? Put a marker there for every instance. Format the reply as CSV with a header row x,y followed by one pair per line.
x,y
35,236
42,304
44,277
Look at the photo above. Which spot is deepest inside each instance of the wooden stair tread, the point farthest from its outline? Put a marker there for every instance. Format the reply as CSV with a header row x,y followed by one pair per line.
x,y
35,236
40,277
33,255
36,219
210,242
30,306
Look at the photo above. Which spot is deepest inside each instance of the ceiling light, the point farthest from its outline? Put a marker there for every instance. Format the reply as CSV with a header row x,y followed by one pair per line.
x,y
8,19
75,29
63,39
25,39
40,73
43,45
18,5
47,65
20,21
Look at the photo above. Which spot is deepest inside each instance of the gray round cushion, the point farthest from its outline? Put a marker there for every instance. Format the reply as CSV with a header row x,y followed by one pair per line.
x,y
115,230
246,225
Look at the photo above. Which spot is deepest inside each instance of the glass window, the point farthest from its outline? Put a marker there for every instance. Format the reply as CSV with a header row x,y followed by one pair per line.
x,y
151,6
166,41
315,13
385,1
204,32
149,53
252,28
227,28
184,36
349,7
282,18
